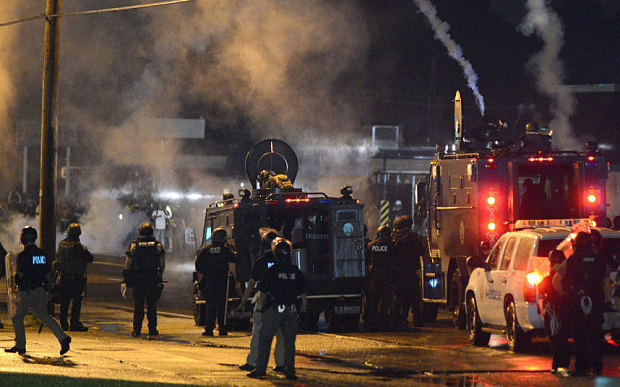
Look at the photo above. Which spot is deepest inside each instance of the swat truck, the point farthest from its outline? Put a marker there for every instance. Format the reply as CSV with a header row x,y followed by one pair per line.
x,y
327,234
481,186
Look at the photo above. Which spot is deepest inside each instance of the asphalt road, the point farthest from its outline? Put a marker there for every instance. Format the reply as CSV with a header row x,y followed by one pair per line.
x,y
436,354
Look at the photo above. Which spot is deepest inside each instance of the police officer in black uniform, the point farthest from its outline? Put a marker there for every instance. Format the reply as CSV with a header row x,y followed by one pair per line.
x,y
212,263
380,293
70,264
583,280
144,268
33,268
408,247
280,286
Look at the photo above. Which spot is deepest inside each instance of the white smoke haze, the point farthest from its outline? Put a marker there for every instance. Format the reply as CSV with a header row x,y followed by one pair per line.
x,y
277,63
455,51
549,70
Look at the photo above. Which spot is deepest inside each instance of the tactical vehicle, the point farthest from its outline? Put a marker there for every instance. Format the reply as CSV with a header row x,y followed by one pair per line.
x,y
327,234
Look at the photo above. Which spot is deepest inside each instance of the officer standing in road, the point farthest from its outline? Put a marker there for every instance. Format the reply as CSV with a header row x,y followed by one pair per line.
x,y
279,288
380,293
144,268
554,311
212,264
31,274
70,264
583,280
408,248
258,270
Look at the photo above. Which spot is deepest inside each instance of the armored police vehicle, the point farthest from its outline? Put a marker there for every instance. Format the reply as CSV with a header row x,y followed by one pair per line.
x,y
327,234
481,185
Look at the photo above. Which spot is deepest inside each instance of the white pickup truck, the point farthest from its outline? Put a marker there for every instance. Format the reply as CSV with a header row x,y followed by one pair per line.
x,y
502,296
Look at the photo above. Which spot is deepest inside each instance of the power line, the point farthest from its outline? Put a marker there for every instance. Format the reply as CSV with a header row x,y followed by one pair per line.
x,y
95,11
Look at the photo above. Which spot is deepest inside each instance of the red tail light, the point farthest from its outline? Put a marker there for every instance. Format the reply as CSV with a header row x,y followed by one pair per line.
x,y
530,289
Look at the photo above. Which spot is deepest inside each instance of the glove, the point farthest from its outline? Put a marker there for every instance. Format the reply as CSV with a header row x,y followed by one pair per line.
x,y
124,290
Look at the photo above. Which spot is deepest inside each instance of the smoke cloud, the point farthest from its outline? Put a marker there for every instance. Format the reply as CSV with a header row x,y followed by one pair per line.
x,y
549,70
455,51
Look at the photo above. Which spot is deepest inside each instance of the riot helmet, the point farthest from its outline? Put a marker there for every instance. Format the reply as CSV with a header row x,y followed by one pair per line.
x,y
267,235
218,235
281,249
74,229
384,232
403,222
28,235
531,127
597,239
556,257
582,241
146,228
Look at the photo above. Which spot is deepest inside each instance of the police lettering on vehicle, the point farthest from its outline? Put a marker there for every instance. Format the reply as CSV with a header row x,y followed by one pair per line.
x,y
215,250
379,249
492,294
286,276
38,259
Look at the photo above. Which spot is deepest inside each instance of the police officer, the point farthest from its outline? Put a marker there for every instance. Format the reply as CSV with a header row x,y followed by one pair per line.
x,y
280,286
381,288
212,263
144,268
554,311
583,280
70,264
258,270
408,248
31,274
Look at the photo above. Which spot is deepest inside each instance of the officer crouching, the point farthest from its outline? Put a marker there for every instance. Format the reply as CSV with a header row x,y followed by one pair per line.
x,y
144,268
280,286
70,264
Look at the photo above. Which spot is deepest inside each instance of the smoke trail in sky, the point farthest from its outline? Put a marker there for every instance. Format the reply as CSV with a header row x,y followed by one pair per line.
x,y
454,50
549,69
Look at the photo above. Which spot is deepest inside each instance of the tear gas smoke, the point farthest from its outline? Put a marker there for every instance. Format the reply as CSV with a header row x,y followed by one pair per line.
x,y
549,69
441,29
275,65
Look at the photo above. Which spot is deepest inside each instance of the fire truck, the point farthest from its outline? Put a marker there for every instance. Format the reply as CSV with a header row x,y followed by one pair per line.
x,y
480,187
327,234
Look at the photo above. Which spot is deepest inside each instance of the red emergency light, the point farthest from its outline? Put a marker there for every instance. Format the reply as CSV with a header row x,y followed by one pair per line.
x,y
539,159
297,200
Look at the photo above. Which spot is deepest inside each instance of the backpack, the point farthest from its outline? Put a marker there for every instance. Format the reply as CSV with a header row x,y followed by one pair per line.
x,y
584,276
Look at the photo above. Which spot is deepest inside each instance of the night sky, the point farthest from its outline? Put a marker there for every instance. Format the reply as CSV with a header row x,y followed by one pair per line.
x,y
423,79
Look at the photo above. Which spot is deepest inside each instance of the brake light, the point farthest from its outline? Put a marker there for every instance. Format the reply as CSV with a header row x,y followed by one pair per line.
x,y
491,200
491,226
531,289
592,198
540,159
533,278
590,158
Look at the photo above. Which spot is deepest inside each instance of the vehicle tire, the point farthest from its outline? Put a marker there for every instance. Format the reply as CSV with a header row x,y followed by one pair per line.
x,y
333,322
457,303
200,309
474,325
350,322
417,309
308,321
517,339
429,311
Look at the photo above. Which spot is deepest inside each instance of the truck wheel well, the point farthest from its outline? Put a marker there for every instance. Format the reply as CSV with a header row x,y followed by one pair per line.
x,y
507,299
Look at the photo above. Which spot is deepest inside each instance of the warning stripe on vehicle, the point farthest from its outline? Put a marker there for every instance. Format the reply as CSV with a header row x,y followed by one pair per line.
x,y
384,218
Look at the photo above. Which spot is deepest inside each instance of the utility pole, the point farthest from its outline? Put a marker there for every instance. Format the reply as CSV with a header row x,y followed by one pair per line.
x,y
49,130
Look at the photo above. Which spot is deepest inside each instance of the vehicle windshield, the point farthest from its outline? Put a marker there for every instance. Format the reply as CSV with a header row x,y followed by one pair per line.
x,y
546,191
